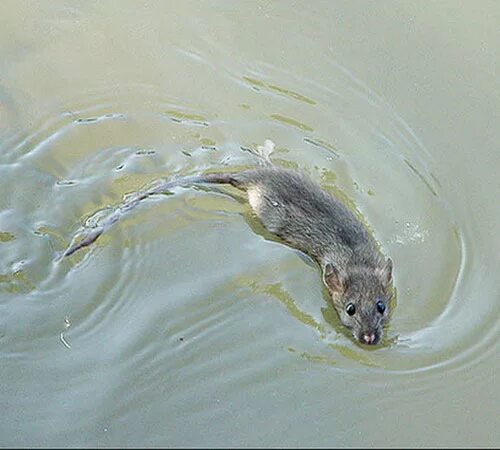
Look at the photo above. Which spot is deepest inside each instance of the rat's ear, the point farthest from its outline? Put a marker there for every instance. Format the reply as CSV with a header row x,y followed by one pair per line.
x,y
385,273
334,280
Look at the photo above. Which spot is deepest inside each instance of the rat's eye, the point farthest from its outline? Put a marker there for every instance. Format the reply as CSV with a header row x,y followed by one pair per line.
x,y
350,309
380,307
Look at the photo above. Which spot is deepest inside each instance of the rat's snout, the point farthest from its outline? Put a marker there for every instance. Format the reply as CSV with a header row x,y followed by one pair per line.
x,y
369,338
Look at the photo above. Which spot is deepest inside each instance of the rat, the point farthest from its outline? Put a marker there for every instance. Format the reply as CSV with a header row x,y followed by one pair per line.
x,y
297,210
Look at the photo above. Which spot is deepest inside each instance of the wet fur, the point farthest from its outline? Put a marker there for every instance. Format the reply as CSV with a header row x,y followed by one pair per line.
x,y
297,210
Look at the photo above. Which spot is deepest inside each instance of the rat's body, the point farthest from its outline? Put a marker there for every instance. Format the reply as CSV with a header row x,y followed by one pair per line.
x,y
309,219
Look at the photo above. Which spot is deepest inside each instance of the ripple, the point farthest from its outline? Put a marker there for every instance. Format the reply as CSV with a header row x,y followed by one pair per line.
x,y
438,338
105,145
292,122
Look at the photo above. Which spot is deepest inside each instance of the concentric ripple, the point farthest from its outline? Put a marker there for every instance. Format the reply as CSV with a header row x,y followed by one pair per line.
x,y
79,165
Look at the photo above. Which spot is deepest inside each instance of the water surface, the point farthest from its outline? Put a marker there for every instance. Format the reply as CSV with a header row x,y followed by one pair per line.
x,y
187,324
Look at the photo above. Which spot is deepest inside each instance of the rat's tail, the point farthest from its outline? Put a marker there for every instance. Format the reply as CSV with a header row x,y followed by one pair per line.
x,y
90,235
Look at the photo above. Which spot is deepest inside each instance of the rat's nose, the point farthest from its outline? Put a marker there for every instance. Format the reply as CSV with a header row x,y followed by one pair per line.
x,y
369,338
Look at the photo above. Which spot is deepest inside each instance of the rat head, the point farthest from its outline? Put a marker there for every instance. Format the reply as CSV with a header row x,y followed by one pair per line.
x,y
361,297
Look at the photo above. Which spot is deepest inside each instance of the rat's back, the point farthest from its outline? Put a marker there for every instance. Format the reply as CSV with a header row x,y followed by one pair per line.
x,y
296,209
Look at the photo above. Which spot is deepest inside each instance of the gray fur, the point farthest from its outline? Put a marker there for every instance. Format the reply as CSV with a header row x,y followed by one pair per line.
x,y
297,210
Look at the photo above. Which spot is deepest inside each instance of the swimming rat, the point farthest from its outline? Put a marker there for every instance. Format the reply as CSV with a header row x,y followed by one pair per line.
x,y
296,209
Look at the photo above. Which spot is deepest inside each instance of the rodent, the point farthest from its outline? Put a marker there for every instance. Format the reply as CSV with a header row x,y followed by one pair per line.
x,y
296,209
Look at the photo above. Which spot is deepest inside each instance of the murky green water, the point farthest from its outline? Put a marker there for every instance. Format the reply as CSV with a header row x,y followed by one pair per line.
x,y
186,325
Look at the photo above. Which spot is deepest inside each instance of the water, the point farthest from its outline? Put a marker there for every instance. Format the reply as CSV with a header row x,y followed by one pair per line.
x,y
187,324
